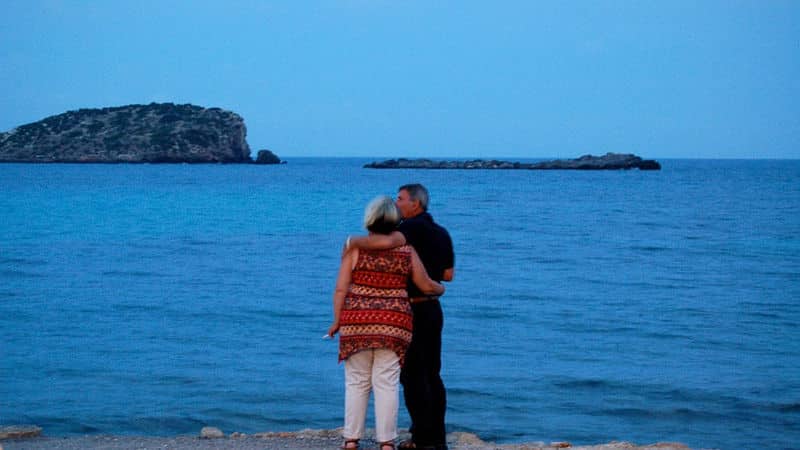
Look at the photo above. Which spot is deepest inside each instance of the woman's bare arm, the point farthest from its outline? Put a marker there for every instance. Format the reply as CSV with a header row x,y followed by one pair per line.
x,y
375,241
342,285
420,276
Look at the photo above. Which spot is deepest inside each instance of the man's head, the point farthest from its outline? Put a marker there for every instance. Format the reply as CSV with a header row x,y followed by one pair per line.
x,y
412,200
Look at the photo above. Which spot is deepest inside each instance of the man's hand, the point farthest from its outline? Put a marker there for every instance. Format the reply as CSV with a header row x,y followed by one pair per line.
x,y
448,274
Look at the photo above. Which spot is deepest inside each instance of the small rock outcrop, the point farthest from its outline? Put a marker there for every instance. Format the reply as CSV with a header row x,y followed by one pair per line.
x,y
154,133
20,431
211,433
267,157
609,161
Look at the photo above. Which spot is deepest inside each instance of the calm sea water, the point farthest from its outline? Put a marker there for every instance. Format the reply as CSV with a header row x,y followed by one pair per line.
x,y
587,306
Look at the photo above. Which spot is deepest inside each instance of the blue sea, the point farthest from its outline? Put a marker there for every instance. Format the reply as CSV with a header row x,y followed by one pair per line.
x,y
586,307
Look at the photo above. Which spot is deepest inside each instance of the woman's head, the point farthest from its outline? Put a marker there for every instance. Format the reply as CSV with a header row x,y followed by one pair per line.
x,y
381,215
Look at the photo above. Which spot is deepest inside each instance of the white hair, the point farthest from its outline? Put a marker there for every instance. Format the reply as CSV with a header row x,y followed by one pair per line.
x,y
381,215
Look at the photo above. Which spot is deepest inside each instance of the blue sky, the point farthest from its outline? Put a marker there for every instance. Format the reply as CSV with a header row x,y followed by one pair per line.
x,y
513,79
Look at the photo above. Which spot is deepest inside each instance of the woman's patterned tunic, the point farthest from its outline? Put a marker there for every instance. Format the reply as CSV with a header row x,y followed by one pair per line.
x,y
376,311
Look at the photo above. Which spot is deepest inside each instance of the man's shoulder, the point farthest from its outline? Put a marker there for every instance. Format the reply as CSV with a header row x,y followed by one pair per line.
x,y
423,222
423,225
424,219
438,227
413,223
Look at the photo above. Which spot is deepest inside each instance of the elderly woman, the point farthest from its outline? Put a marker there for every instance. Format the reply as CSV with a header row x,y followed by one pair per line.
x,y
372,313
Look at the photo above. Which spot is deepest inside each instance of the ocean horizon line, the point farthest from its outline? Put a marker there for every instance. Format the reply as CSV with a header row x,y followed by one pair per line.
x,y
525,158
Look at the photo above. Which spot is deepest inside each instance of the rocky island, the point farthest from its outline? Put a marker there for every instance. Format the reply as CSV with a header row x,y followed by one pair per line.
x,y
154,133
609,161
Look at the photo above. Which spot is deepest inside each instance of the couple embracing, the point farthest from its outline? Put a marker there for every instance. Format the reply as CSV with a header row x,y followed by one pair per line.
x,y
386,310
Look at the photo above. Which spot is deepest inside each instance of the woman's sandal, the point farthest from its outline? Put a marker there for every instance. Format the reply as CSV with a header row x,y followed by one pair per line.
x,y
387,445
349,447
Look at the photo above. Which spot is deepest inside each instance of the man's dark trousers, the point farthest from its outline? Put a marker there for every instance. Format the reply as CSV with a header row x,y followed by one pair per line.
x,y
423,388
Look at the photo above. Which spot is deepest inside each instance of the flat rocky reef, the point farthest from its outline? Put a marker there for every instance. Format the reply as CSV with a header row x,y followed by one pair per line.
x,y
609,161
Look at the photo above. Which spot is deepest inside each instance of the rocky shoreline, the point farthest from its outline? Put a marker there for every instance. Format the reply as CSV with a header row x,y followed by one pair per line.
x,y
609,161
213,438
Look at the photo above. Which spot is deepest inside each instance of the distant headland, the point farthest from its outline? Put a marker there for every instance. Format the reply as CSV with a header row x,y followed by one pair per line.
x,y
154,133
609,161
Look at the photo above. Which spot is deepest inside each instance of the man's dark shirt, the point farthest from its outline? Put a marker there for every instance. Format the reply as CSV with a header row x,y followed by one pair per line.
x,y
433,244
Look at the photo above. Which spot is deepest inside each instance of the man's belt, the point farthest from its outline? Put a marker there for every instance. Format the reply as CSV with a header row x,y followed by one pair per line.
x,y
425,298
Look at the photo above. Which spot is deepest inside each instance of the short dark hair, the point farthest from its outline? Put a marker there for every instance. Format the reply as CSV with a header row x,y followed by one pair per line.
x,y
417,192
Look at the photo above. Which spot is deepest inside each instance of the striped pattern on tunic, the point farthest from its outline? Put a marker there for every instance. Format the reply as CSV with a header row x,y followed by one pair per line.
x,y
376,311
